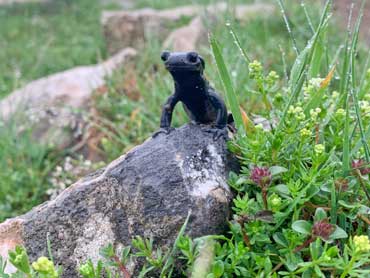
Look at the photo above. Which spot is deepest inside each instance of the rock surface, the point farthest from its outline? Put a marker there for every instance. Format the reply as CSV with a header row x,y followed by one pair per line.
x,y
148,191
54,106
132,28
125,4
188,37
10,2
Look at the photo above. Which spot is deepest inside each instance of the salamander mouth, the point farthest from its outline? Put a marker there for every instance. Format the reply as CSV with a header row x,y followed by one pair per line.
x,y
183,67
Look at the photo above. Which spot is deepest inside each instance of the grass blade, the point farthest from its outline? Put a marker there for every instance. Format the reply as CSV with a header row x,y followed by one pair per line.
x,y
282,8
238,44
353,81
303,5
346,140
226,81
344,78
170,258
302,63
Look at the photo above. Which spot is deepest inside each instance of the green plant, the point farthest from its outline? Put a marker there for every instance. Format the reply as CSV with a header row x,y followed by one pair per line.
x,y
299,197
42,268
25,168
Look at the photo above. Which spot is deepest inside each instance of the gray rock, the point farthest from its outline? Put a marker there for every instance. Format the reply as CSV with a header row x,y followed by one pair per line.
x,y
55,105
148,191
125,4
187,38
11,2
132,28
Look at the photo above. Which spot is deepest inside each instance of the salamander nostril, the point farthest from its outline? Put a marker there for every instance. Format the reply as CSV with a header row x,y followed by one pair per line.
x,y
192,57
165,55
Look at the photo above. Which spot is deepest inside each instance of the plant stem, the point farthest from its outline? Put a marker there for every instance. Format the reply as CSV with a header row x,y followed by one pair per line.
x,y
349,266
304,244
264,197
121,267
245,235
362,183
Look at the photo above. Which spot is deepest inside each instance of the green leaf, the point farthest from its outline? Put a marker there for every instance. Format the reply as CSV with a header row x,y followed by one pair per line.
x,y
318,271
169,264
347,205
280,239
276,170
107,252
226,81
317,58
218,269
238,43
338,233
125,253
302,226
281,189
332,251
320,214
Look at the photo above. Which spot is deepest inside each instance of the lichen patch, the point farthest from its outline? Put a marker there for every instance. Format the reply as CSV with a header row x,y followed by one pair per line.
x,y
204,174
97,233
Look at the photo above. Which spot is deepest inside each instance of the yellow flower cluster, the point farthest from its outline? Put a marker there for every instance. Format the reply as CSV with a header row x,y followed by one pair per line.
x,y
45,266
314,113
319,148
361,243
335,95
255,69
272,78
297,112
275,200
313,85
340,112
305,132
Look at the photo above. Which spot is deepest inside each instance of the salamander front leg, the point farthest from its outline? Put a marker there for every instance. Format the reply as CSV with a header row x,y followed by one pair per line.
x,y
165,125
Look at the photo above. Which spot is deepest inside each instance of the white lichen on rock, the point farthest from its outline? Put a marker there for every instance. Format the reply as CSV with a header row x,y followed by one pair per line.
x,y
97,233
205,180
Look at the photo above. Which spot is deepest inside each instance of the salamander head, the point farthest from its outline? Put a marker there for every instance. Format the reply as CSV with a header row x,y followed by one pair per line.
x,y
182,62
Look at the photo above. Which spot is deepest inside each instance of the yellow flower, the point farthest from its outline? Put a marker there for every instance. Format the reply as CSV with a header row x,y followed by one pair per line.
x,y
255,69
45,266
361,243
319,148
340,112
272,77
305,132
297,112
335,95
314,113
291,109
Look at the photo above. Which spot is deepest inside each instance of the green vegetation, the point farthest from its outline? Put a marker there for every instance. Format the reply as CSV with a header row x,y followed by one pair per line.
x,y
41,39
25,168
303,193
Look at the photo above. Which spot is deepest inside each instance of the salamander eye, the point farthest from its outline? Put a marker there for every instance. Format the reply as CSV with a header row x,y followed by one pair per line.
x,y
164,56
192,57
